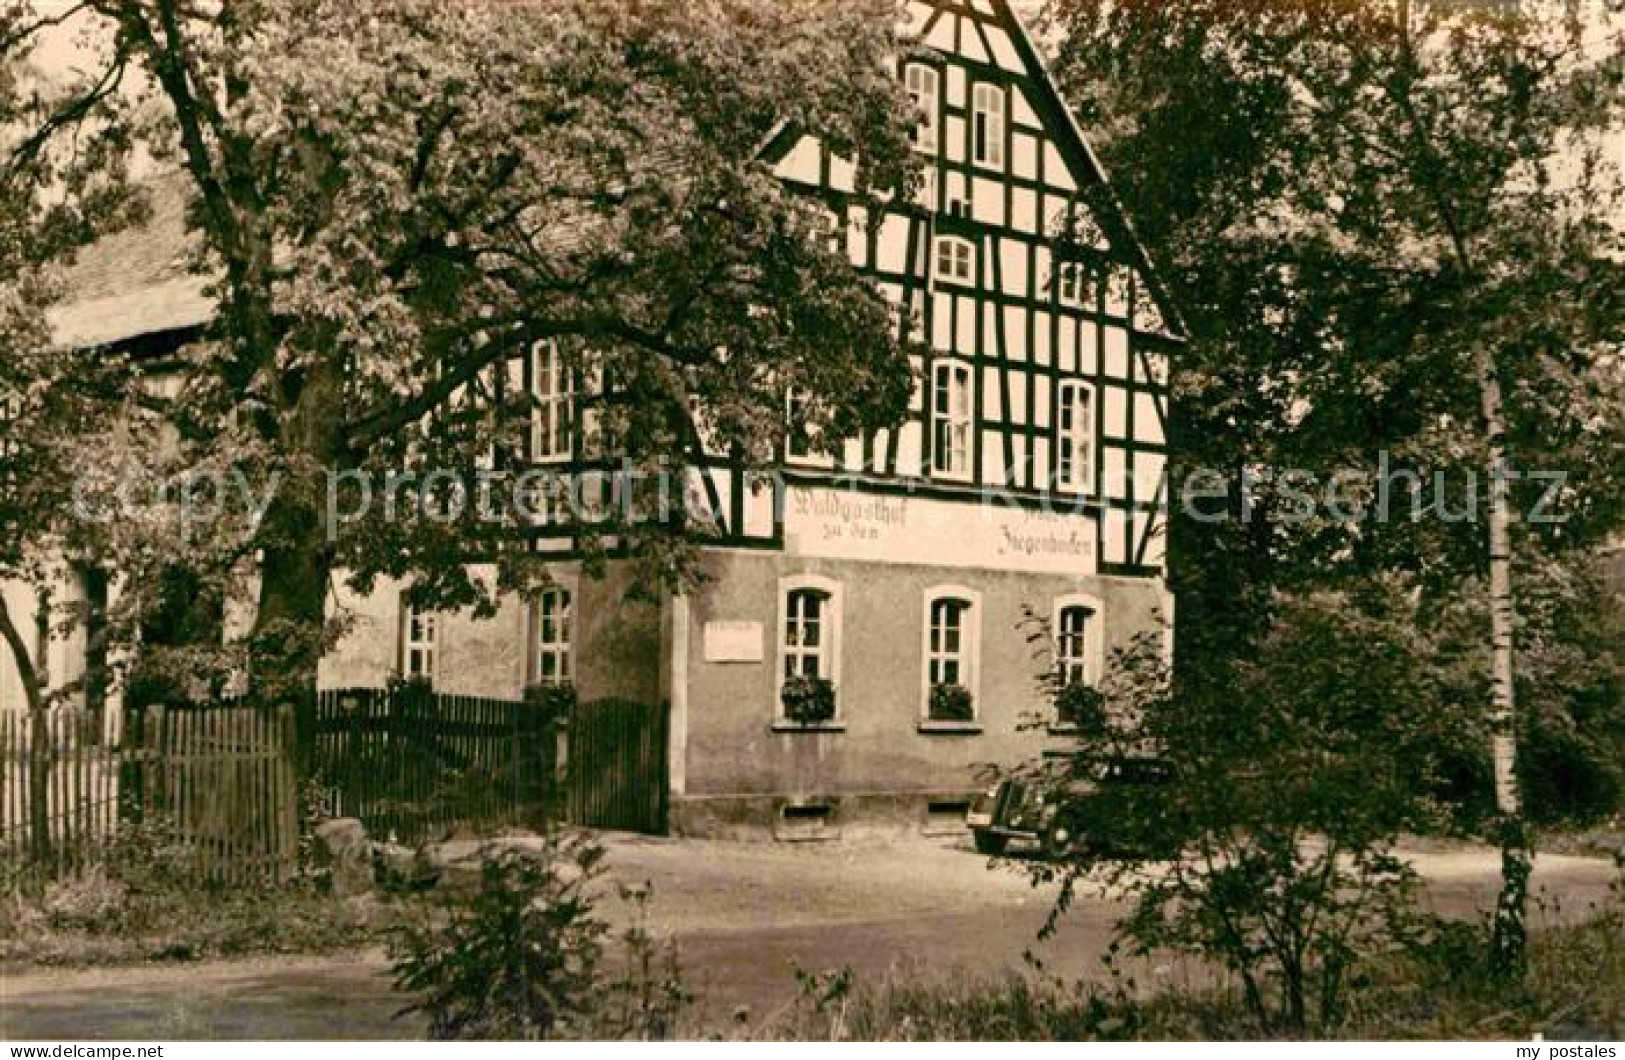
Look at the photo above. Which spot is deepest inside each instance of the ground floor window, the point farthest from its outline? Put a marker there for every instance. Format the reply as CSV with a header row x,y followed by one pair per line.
x,y
809,649
419,642
551,621
952,645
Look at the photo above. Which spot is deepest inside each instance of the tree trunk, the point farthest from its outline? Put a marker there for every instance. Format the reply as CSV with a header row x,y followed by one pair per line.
x,y
39,760
296,560
1508,934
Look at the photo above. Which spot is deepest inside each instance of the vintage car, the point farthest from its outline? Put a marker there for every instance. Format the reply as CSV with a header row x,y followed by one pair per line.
x,y
1067,818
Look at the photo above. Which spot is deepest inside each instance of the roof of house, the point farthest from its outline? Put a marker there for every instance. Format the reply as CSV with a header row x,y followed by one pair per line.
x,y
138,281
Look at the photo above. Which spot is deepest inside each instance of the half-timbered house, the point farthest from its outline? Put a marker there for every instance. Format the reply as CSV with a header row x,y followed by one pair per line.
x,y
1029,476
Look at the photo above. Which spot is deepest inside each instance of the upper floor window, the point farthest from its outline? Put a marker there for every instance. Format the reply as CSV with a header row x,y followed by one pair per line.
x,y
1072,285
987,125
1074,442
551,396
952,652
951,419
956,260
924,88
420,642
553,611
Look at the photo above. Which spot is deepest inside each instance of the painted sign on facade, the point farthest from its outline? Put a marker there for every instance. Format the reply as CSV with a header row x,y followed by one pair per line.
x,y
832,524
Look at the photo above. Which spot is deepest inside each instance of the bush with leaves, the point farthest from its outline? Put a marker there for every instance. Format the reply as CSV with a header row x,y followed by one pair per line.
x,y
1286,797
521,955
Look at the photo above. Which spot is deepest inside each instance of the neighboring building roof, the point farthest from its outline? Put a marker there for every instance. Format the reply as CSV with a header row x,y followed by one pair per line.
x,y
136,282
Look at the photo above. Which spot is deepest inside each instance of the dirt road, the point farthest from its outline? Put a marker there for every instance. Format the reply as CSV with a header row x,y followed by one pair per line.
x,y
745,916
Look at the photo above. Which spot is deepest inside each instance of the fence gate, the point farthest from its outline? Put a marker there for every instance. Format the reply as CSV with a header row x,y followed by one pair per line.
x,y
617,767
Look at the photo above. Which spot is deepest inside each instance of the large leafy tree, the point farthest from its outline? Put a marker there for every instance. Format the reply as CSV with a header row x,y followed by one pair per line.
x,y
394,199
1394,230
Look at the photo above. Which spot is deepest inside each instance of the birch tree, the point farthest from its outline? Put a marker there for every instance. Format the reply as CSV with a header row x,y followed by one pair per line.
x,y
1396,228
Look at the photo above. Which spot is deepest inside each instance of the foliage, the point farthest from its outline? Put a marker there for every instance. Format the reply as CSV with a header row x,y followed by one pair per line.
x,y
394,207
141,902
555,702
521,953
518,958
808,700
1284,804
1081,706
950,702
1575,991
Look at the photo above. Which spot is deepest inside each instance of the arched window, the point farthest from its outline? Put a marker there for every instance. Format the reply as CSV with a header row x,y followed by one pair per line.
x,y
552,622
952,652
924,88
1079,638
987,126
809,629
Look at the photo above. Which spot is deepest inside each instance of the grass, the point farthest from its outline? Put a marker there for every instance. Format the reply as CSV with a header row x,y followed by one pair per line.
x,y
1575,989
95,920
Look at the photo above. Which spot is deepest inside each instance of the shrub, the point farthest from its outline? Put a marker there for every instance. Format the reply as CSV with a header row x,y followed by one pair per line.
x,y
952,703
1291,782
553,702
1081,706
808,700
516,958
521,955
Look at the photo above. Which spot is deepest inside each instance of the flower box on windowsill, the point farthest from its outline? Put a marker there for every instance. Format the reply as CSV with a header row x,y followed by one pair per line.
x,y
939,727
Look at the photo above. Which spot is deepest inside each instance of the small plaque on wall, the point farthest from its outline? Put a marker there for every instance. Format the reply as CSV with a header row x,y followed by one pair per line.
x,y
733,642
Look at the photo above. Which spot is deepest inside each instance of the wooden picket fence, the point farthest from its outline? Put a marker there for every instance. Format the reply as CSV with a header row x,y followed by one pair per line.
x,y
217,786
213,787
415,765
59,790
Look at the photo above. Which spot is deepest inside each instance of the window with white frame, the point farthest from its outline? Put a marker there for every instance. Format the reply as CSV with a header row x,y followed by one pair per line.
x,y
1074,437
809,629
956,260
952,654
951,419
551,623
1073,627
420,642
924,88
1077,624
987,125
551,403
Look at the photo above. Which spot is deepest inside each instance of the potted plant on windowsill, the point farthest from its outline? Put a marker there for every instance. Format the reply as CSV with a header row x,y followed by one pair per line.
x,y
1080,707
808,701
952,703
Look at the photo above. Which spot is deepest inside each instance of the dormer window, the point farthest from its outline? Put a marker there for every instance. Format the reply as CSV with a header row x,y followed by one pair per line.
x,y
987,126
925,89
956,260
